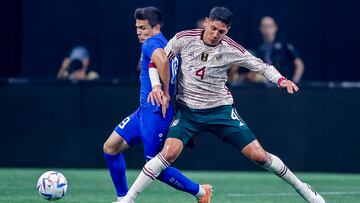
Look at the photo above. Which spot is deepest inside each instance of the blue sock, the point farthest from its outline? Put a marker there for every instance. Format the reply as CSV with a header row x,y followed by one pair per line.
x,y
177,180
117,168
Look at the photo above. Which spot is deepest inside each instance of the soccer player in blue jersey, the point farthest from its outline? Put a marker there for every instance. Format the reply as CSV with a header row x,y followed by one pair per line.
x,y
150,122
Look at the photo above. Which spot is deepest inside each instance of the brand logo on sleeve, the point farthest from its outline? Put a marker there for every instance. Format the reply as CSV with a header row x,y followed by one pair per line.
x,y
174,123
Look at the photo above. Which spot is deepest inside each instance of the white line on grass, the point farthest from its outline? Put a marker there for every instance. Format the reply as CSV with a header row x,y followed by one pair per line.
x,y
290,194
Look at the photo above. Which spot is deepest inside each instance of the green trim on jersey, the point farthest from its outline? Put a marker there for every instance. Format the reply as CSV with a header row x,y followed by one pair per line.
x,y
223,121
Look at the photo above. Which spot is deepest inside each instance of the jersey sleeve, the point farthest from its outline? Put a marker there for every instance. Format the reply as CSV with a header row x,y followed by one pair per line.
x,y
150,46
247,60
173,47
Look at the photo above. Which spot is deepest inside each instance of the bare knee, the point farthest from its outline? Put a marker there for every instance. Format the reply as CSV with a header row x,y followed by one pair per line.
x,y
110,149
172,149
256,153
259,157
170,156
115,144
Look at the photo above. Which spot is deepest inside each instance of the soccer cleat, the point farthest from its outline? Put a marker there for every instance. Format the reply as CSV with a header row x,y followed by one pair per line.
x,y
309,194
119,199
207,196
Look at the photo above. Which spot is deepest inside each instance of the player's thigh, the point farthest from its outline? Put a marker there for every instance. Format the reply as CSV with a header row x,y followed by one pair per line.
x,y
183,128
232,128
238,137
127,131
154,129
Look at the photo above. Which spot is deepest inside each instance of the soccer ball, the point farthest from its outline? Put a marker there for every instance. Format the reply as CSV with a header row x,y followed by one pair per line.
x,y
52,185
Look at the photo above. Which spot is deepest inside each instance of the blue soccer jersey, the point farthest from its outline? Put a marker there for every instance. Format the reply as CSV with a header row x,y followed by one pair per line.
x,y
148,48
135,128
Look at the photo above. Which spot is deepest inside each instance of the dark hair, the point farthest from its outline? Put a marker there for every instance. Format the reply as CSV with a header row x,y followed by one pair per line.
x,y
221,14
75,65
152,14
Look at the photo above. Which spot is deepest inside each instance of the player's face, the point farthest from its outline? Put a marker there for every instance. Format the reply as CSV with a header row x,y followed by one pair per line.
x,y
214,31
143,30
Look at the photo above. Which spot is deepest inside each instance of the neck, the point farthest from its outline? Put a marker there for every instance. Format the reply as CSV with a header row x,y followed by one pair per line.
x,y
203,37
269,39
156,33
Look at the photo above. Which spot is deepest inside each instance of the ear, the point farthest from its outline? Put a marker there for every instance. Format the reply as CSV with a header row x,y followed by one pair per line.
x,y
206,21
157,27
227,31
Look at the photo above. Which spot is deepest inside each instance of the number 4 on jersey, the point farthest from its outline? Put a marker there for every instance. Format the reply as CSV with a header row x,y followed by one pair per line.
x,y
201,72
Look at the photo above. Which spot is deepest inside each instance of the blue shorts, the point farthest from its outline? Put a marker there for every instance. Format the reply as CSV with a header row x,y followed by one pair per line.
x,y
147,127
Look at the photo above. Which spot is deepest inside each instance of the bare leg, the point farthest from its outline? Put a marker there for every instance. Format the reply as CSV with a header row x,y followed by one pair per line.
x,y
272,163
172,149
115,144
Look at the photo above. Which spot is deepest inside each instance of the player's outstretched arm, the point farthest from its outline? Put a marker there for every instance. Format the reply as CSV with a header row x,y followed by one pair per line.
x,y
270,72
290,86
161,65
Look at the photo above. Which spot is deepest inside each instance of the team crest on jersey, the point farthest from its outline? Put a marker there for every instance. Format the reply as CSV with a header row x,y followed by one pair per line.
x,y
204,56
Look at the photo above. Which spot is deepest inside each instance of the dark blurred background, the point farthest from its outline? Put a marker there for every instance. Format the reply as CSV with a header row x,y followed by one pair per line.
x,y
45,122
37,35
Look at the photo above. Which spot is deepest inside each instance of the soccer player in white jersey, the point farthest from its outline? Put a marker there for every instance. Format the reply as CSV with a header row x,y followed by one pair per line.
x,y
205,104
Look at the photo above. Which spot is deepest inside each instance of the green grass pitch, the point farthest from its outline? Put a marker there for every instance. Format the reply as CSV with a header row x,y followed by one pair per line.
x,y
88,186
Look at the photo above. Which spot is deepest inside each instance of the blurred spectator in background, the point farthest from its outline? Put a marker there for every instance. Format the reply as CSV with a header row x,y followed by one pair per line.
x,y
237,74
281,54
200,23
77,66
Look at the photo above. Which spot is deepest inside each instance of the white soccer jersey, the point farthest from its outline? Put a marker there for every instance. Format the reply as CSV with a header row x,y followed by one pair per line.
x,y
203,72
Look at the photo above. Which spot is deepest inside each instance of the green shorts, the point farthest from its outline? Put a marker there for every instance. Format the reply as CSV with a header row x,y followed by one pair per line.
x,y
223,121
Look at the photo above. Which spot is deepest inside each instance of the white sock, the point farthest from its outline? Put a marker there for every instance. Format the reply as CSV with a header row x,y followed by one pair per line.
x,y
150,172
276,166
200,193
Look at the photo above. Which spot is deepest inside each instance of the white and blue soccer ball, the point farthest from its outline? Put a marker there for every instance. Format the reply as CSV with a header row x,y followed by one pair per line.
x,y
52,185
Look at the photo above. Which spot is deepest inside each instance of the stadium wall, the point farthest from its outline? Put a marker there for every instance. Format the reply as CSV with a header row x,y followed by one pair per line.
x,y
36,35
64,124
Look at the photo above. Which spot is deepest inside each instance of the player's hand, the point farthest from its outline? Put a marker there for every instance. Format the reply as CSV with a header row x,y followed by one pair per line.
x,y
155,95
165,100
290,86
